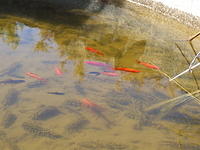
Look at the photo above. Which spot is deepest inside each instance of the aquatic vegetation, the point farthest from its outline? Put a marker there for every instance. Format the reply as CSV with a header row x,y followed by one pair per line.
x,y
77,126
11,81
12,97
39,131
46,113
8,120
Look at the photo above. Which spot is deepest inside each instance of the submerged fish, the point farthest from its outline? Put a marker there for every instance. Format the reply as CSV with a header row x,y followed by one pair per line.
x,y
93,106
148,65
94,73
95,63
113,74
127,70
97,109
86,102
94,51
11,81
56,93
33,75
58,71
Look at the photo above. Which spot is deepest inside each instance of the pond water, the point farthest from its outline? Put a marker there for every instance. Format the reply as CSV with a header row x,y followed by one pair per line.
x,y
57,95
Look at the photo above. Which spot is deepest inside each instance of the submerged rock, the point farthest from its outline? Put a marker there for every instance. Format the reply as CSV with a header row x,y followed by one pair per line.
x,y
12,70
46,113
11,98
8,120
39,131
77,126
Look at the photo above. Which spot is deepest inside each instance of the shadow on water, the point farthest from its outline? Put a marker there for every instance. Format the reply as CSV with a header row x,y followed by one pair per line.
x,y
56,12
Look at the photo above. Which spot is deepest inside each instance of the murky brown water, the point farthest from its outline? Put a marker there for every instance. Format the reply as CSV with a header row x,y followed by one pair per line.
x,y
128,112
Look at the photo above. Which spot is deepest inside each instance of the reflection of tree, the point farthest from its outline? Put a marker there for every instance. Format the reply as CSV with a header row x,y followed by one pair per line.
x,y
73,31
8,31
43,44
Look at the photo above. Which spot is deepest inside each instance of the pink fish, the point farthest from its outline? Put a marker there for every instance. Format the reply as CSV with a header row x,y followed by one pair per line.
x,y
58,71
94,63
113,74
33,75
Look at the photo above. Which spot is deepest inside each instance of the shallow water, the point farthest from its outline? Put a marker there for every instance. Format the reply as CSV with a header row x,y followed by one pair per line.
x,y
126,112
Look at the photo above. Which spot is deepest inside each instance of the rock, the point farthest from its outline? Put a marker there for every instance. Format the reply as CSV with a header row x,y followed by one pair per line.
x,y
8,120
46,113
11,98
39,131
77,126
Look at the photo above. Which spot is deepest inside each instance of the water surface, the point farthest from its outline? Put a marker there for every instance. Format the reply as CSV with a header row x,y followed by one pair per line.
x,y
129,111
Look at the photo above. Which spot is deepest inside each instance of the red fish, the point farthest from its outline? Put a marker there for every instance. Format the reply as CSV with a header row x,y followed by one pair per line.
x,y
94,51
86,102
33,75
58,71
127,70
148,65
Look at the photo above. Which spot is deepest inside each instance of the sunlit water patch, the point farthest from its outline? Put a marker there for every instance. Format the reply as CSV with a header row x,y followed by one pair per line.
x,y
80,86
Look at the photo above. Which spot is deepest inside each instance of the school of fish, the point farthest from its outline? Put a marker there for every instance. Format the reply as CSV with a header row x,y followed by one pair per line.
x,y
108,71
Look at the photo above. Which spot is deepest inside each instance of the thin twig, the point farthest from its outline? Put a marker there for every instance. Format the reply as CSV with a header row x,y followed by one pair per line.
x,y
177,83
194,36
195,79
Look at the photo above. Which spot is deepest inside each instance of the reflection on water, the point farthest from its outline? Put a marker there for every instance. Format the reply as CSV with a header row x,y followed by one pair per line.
x,y
84,103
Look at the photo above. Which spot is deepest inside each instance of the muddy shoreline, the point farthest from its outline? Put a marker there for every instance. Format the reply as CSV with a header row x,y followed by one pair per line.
x,y
180,16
